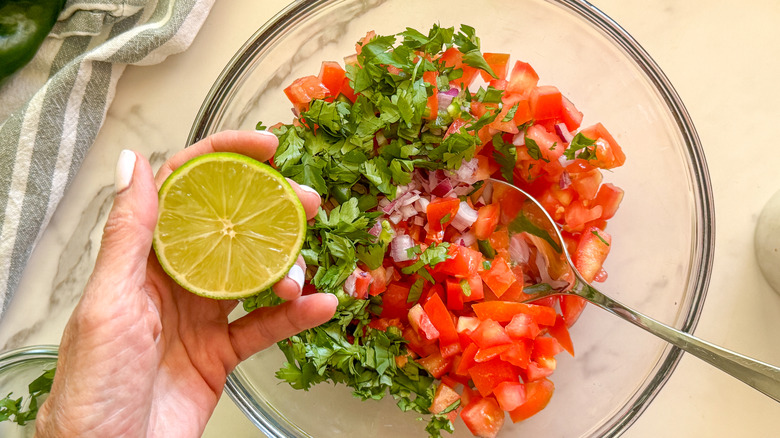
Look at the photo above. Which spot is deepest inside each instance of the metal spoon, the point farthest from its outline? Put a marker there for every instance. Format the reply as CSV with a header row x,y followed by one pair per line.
x,y
564,279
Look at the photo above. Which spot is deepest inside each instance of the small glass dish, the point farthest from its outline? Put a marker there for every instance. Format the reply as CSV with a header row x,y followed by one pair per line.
x,y
663,234
18,368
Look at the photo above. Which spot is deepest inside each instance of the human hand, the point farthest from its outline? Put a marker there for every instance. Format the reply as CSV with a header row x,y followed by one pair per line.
x,y
141,356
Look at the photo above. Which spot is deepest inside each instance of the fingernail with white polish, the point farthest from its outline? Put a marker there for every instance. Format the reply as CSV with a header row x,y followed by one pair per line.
x,y
265,132
296,275
308,189
124,170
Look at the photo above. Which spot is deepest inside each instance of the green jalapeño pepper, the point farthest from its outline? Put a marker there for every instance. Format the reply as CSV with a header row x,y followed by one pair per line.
x,y
23,26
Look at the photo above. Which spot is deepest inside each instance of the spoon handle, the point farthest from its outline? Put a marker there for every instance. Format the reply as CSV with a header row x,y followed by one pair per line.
x,y
759,375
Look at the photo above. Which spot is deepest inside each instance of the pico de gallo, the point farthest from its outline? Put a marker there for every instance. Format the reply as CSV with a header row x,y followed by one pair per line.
x,y
398,141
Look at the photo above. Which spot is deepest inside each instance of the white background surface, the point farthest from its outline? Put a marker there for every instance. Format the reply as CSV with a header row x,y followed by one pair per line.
x,y
721,56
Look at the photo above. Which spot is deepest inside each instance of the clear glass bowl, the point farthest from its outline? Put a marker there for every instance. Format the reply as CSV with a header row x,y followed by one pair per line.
x,y
663,233
18,368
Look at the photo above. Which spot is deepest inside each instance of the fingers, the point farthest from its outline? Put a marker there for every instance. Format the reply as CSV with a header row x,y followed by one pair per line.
x,y
265,326
290,287
127,236
260,145
309,197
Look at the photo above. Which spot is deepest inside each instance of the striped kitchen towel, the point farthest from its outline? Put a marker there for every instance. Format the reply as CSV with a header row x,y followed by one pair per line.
x,y
52,109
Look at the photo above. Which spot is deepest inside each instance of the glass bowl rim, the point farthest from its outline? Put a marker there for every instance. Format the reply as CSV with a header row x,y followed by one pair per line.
x,y
16,356
704,231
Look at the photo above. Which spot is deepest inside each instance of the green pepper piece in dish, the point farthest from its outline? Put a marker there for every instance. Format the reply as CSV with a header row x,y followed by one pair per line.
x,y
23,26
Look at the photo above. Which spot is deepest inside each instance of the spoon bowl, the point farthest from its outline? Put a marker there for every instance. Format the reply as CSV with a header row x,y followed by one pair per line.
x,y
529,220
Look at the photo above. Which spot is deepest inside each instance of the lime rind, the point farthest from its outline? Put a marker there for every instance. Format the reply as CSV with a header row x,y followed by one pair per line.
x,y
228,226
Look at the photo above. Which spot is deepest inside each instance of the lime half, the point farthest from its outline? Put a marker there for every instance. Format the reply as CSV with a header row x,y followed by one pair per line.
x,y
228,226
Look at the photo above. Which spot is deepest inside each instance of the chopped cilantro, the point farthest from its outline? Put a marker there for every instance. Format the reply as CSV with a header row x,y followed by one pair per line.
x,y
581,147
15,410
596,233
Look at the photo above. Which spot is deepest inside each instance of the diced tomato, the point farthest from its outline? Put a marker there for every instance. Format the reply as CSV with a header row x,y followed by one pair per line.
x,y
467,359
453,57
304,90
519,353
466,323
347,91
483,417
592,250
487,220
435,364
577,215
462,262
551,147
394,303
451,349
487,375
445,396
510,395
379,281
571,116
441,319
498,63
522,326
546,103
499,277
476,291
486,354
609,154
454,294
421,323
586,183
538,394
560,332
546,346
608,197
504,311
523,78
362,282
571,308
441,212
383,324
332,76
489,333
539,368
417,344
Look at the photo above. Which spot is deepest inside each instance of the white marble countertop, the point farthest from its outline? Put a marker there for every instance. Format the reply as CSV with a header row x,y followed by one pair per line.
x,y
722,59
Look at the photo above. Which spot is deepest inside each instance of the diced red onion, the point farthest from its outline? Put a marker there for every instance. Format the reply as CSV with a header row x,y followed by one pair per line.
x,y
399,246
467,171
414,195
487,193
383,202
466,239
349,285
407,211
444,101
519,252
454,91
389,271
465,217
462,190
376,229
422,205
419,220
563,132
519,139
396,217
565,180
442,188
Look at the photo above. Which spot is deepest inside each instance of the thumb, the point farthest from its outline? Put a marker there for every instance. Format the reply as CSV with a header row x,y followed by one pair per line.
x,y
127,236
